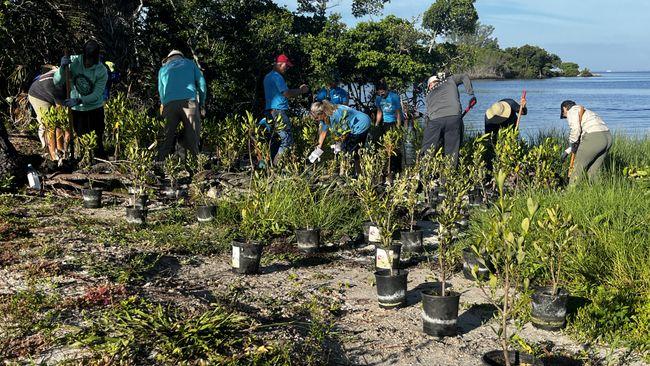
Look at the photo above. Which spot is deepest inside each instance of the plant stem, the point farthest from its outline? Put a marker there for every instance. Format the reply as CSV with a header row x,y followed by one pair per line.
x,y
504,317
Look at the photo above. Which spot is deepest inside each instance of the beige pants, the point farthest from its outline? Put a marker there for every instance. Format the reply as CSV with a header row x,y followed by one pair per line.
x,y
186,112
40,107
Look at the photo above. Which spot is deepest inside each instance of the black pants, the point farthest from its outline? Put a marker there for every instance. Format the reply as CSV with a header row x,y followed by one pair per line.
x,y
446,132
87,121
395,160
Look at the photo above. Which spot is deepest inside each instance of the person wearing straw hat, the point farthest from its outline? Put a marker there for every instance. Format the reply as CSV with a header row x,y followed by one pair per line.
x,y
589,139
503,114
180,81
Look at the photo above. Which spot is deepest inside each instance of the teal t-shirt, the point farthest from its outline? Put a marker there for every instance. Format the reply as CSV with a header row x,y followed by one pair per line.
x,y
179,80
336,95
347,120
274,88
389,106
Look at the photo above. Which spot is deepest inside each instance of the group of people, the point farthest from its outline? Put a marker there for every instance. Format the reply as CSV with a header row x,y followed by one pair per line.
x,y
183,92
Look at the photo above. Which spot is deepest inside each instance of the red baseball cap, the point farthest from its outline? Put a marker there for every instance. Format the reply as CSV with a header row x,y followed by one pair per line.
x,y
283,58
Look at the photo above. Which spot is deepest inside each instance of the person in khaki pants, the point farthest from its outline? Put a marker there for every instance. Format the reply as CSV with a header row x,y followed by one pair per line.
x,y
179,82
590,140
43,94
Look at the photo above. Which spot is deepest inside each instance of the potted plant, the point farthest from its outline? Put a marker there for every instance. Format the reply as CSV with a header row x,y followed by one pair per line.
x,y
172,168
391,142
308,220
440,306
549,302
87,143
366,187
138,165
430,167
390,278
199,189
412,237
505,246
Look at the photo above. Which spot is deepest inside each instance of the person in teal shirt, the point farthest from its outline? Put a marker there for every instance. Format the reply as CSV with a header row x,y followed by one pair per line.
x,y
389,116
88,79
349,125
276,95
180,82
334,94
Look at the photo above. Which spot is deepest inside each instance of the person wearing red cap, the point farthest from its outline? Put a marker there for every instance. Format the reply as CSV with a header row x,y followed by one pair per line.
x,y
276,94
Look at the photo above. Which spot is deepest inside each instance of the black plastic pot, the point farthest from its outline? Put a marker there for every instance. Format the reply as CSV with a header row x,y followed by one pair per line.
x,y
495,358
475,197
308,240
549,310
205,213
391,288
246,257
92,198
412,241
140,202
371,233
136,215
470,260
387,257
440,313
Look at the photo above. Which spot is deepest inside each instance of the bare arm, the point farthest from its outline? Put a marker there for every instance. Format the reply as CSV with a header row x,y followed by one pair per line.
x,y
380,116
296,92
321,138
465,80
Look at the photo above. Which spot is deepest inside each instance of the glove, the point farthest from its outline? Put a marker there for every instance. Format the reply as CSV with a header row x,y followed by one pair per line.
x,y
565,153
72,102
472,102
65,61
315,155
336,148
574,147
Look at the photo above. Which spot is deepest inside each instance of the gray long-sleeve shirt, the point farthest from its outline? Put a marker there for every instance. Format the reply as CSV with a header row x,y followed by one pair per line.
x,y
444,99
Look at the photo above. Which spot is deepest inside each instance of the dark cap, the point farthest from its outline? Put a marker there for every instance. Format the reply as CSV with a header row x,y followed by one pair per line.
x,y
568,104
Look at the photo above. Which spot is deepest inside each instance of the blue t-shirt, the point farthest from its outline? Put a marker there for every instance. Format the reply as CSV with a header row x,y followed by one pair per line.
x,y
274,88
389,106
179,80
335,95
347,120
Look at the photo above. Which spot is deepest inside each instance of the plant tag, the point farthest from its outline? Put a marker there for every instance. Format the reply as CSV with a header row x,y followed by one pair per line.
x,y
235,257
373,234
384,258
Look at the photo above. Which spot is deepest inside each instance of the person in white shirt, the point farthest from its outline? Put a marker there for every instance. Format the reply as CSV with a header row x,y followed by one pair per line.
x,y
589,139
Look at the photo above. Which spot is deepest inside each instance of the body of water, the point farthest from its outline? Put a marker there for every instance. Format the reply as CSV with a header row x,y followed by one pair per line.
x,y
621,99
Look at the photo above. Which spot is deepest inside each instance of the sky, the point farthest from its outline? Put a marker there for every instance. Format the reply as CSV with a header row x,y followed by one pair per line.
x,y
598,34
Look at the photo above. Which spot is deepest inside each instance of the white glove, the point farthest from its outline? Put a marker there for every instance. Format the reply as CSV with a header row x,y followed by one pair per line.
x,y
315,155
336,147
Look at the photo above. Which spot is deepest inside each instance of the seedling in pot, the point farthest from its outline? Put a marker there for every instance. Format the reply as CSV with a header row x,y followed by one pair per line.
x,y
505,246
409,181
200,188
367,187
138,167
86,146
172,167
554,245
440,308
391,142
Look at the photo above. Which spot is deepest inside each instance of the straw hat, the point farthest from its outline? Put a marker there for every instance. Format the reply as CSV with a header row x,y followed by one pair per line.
x,y
499,112
173,53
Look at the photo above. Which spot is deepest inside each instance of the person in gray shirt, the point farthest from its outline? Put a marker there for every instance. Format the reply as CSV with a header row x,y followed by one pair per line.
x,y
443,119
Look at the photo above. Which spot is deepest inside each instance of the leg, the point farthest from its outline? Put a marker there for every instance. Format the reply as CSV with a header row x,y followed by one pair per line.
x,y
191,126
40,107
285,133
99,126
590,147
594,169
453,136
172,119
431,136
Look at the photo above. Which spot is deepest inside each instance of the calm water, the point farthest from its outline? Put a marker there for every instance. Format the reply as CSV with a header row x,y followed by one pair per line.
x,y
621,99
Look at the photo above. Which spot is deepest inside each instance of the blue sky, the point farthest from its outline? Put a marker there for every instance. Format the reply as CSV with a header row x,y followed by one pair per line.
x,y
599,34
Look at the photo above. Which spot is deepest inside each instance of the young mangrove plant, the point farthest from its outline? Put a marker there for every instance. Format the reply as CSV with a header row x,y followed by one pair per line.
x,y
200,188
86,145
57,131
505,246
477,170
412,237
509,151
367,188
138,168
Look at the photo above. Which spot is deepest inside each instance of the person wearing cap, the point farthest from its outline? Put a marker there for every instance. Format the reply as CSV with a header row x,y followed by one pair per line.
x,y
589,139
88,79
443,119
182,91
349,125
42,95
333,93
276,95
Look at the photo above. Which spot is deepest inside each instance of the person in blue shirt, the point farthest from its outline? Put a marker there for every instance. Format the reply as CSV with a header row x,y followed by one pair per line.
x,y
180,82
334,94
389,116
349,125
276,95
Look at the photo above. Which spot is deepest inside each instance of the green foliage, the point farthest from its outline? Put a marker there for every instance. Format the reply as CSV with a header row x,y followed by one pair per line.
x,y
87,144
138,167
229,140
172,167
570,69
531,62
137,330
367,184
129,124
56,117
200,186
450,17
510,151
542,165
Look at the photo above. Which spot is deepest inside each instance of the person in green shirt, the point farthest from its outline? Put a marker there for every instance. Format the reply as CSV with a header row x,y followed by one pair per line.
x,y
88,79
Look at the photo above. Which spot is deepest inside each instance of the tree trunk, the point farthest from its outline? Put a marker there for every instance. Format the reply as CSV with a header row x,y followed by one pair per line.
x,y
8,156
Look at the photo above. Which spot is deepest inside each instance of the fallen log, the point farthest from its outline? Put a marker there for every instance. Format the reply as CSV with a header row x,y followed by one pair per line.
x,y
54,181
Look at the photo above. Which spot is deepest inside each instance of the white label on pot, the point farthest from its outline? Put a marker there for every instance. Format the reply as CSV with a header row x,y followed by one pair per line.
x,y
373,234
383,258
235,257
427,319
